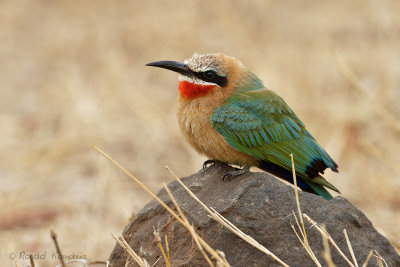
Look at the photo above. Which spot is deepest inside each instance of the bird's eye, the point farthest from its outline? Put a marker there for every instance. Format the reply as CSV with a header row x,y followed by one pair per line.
x,y
209,74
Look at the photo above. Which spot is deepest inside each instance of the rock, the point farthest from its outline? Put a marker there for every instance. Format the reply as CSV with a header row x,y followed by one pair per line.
x,y
261,206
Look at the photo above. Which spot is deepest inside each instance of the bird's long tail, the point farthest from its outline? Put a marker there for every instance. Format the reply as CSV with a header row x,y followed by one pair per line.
x,y
312,186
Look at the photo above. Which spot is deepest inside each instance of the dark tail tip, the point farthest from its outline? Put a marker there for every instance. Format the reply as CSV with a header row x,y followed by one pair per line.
x,y
284,174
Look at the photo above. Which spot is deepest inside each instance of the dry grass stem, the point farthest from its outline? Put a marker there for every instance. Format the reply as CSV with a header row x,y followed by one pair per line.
x,y
226,223
119,166
350,247
204,244
231,227
298,201
306,246
302,229
380,264
158,240
193,233
365,264
54,238
154,264
167,248
295,231
327,252
122,242
15,259
31,260
327,235
381,261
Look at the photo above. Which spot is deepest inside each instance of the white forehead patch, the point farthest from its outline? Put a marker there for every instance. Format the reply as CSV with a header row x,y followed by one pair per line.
x,y
201,63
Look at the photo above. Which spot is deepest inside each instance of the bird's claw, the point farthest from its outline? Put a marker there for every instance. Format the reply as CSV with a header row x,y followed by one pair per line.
x,y
233,174
227,177
208,163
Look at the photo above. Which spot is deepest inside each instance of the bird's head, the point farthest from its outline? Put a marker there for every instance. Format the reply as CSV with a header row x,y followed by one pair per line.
x,y
203,74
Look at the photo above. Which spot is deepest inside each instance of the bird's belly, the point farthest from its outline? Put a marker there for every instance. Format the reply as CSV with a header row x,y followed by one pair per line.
x,y
204,139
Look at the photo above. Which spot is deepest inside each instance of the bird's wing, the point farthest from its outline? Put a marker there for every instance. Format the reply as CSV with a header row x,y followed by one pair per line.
x,y
261,124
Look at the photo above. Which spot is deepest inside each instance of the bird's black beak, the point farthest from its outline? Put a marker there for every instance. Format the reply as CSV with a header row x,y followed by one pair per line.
x,y
174,66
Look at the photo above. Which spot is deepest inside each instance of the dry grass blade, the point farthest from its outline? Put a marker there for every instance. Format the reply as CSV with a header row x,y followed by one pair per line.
x,y
122,242
298,201
306,246
350,247
295,231
167,248
154,263
158,240
327,252
54,238
220,260
31,260
365,264
381,261
325,233
348,73
227,224
231,227
14,257
302,229
189,227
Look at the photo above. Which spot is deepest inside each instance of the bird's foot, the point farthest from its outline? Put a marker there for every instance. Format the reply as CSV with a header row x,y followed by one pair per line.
x,y
209,163
233,174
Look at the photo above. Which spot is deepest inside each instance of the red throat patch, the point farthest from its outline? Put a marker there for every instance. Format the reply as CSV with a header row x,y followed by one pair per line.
x,y
192,90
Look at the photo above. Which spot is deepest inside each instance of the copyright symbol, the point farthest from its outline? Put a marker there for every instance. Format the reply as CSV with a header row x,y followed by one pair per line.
x,y
12,256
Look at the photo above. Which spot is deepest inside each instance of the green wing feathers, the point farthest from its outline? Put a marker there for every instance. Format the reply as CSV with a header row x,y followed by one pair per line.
x,y
259,123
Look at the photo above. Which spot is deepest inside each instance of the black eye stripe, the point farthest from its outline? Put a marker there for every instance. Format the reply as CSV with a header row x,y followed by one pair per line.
x,y
211,76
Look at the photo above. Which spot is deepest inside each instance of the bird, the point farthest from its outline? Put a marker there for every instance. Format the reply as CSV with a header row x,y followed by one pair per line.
x,y
226,113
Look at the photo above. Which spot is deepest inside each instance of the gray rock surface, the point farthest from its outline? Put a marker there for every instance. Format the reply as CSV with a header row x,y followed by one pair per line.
x,y
261,206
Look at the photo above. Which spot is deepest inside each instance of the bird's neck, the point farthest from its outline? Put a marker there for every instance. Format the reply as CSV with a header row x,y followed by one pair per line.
x,y
190,90
248,82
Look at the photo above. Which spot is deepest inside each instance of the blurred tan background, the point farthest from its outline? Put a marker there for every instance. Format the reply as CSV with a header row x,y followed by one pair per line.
x,y
72,75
